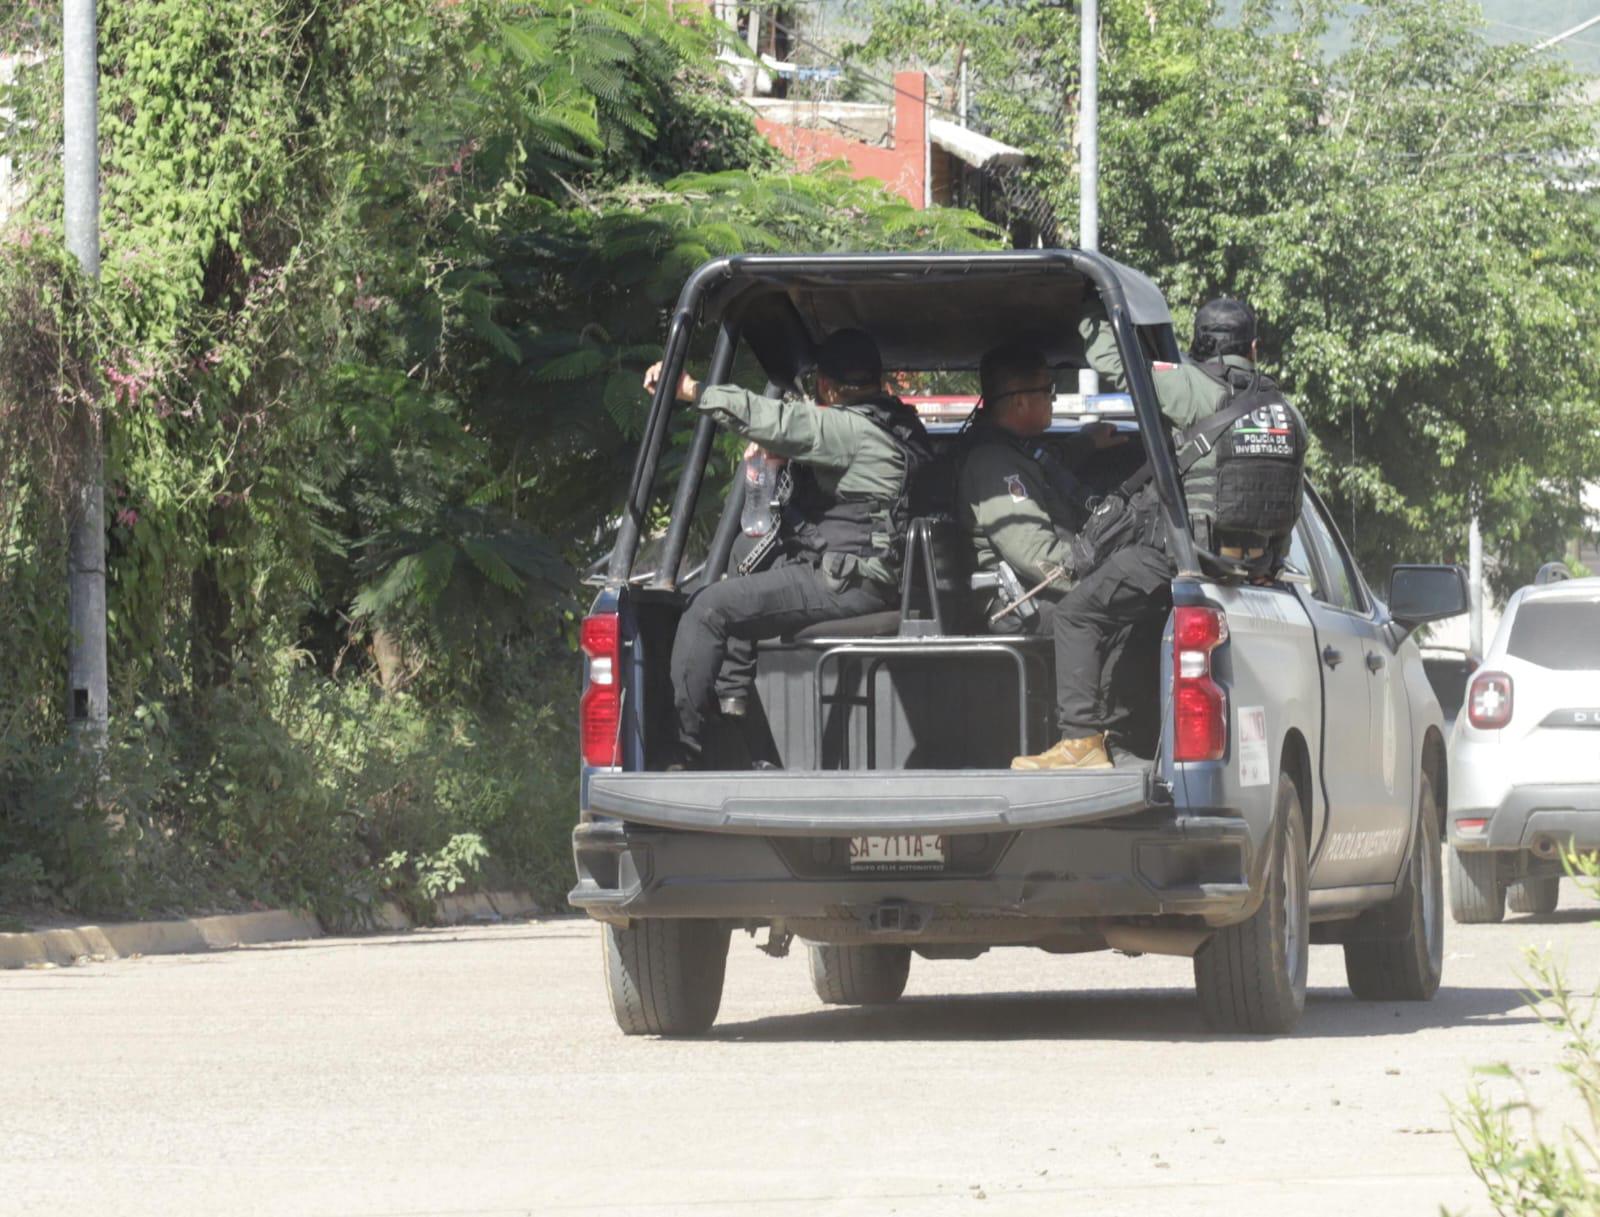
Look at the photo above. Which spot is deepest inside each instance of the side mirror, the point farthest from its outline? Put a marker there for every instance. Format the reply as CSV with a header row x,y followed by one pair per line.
x,y
1419,594
1552,572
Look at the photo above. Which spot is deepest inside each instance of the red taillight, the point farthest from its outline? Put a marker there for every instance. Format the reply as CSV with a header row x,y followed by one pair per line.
x,y
600,709
1489,701
1199,706
1198,629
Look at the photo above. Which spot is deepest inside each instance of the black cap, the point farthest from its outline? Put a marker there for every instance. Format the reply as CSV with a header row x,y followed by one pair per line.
x,y
850,357
1224,326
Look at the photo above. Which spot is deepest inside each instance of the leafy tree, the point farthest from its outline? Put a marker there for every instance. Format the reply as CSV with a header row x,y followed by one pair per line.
x,y
1410,217
380,277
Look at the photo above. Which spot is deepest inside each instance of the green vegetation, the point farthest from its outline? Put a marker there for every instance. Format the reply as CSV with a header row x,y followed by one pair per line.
x,y
1527,1169
380,277
1409,214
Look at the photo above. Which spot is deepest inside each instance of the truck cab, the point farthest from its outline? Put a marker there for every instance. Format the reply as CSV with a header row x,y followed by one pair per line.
x,y
1285,791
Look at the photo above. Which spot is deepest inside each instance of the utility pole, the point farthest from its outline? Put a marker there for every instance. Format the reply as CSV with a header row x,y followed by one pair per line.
x,y
1089,148
87,697
1475,588
753,40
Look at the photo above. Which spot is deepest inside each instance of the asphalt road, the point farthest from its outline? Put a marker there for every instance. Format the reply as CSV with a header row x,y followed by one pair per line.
x,y
478,1072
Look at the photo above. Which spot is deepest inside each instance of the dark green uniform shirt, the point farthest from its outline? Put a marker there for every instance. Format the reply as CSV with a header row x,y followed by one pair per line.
x,y
850,456
1186,395
1007,506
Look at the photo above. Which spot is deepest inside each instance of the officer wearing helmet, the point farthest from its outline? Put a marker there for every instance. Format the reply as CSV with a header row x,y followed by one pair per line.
x,y
1224,354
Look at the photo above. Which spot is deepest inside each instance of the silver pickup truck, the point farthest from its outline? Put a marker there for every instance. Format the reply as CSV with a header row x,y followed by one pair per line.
x,y
1297,761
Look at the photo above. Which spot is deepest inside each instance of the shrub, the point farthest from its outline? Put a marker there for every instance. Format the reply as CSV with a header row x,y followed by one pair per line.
x,y
288,788
1527,1171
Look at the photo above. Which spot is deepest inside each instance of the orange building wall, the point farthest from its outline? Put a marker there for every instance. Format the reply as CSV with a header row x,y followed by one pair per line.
x,y
903,168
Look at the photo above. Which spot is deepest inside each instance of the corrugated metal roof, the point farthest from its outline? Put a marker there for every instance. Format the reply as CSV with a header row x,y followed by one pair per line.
x,y
979,151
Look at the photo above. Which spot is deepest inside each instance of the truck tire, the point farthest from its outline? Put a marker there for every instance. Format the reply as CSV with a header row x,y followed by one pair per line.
x,y
664,975
1539,896
872,975
1251,977
1406,965
1477,897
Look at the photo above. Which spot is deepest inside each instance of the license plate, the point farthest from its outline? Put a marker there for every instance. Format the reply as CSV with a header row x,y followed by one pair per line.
x,y
897,853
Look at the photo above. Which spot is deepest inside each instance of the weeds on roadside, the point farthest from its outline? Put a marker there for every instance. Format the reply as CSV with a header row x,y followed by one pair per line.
x,y
289,788
1528,1171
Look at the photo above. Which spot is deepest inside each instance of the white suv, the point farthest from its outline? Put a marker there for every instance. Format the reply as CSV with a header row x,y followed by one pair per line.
x,y
1525,754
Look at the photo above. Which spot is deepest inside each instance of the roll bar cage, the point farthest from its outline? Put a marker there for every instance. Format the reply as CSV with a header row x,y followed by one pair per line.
x,y
754,295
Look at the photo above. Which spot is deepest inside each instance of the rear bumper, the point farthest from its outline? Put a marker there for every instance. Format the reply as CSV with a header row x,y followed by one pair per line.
x,y
1022,886
846,803
1530,817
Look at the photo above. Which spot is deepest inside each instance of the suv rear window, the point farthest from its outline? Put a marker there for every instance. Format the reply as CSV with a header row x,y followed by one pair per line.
x,y
1562,634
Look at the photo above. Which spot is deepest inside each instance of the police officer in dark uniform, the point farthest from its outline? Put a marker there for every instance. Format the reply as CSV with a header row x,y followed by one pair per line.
x,y
1104,626
852,455
1007,502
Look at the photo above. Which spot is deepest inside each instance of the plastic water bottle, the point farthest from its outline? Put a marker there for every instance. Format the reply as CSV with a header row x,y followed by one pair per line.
x,y
760,485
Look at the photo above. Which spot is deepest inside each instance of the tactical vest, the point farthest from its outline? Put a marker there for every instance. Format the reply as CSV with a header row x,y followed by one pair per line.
x,y
819,522
1256,483
1242,469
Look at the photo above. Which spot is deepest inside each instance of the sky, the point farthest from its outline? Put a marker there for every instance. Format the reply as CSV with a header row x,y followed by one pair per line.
x,y
1536,20
1533,21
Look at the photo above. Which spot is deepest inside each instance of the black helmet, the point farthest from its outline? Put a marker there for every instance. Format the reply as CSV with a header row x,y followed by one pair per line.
x,y
850,357
1223,326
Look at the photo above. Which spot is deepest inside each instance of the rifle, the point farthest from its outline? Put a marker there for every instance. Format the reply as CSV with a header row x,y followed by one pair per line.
x,y
1018,601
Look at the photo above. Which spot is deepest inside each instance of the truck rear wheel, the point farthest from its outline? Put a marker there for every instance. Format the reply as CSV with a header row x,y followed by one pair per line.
x,y
1251,977
1477,897
1538,896
664,975
871,975
1406,964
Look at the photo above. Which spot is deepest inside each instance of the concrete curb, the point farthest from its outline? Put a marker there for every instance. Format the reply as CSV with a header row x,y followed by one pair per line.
x,y
95,943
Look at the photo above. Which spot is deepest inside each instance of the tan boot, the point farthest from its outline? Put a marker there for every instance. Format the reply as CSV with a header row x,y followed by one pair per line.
x,y
1086,753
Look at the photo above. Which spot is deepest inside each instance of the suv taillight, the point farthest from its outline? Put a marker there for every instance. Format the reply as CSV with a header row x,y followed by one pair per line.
x,y
600,709
1489,701
1199,706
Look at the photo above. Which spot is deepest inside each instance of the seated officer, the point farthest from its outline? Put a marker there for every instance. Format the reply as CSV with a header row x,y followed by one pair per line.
x,y
852,454
1104,626
1013,508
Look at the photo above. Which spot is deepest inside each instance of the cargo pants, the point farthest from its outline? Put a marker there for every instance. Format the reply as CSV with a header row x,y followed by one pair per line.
x,y
1107,643
730,616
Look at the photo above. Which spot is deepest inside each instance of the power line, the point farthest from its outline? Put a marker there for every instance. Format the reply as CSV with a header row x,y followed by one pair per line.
x,y
858,71
1022,198
1565,34
1029,202
1526,29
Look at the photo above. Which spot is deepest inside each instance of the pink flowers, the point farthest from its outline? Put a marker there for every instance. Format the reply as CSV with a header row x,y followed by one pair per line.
x,y
462,153
128,386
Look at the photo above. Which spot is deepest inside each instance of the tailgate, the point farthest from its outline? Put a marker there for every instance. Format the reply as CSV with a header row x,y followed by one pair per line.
x,y
778,803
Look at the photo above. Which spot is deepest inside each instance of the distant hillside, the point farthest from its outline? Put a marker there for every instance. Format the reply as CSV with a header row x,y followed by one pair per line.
x,y
1528,21
832,21
1536,20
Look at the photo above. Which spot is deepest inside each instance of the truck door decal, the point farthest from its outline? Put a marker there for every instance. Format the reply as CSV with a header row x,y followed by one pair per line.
x,y
1255,762
1364,845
